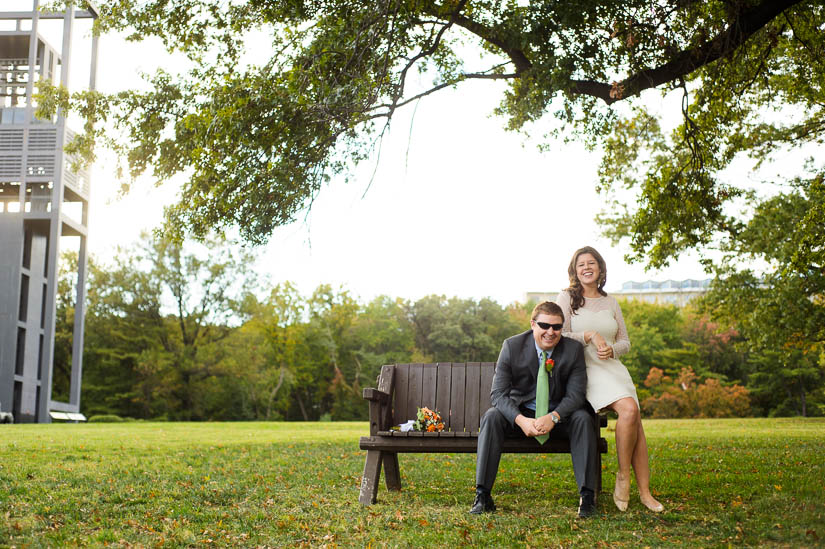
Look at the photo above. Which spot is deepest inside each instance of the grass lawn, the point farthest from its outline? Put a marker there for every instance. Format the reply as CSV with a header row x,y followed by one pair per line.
x,y
740,482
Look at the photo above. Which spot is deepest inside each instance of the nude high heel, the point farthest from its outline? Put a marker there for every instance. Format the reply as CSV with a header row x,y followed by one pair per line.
x,y
621,497
652,504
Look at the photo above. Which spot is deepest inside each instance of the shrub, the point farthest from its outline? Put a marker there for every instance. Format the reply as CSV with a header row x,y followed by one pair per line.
x,y
685,397
106,418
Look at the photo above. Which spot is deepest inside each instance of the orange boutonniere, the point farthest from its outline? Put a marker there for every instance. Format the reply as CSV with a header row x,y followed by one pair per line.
x,y
549,364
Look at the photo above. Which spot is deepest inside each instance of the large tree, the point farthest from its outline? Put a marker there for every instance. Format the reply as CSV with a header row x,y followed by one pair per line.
x,y
156,327
257,142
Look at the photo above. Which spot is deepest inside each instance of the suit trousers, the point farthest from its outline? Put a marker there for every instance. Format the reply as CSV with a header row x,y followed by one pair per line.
x,y
578,428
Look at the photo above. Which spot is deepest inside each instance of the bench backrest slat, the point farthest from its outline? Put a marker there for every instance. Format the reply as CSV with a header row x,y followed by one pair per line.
x,y
457,397
414,392
471,394
429,379
442,391
402,376
487,374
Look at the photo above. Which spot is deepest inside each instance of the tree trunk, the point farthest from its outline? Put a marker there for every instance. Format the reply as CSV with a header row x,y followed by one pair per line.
x,y
791,397
275,392
802,399
301,406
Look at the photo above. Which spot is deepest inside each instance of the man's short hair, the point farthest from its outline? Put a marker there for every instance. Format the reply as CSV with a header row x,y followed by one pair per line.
x,y
547,308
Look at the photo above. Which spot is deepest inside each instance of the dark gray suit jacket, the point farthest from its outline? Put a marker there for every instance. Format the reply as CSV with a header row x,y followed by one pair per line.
x,y
517,368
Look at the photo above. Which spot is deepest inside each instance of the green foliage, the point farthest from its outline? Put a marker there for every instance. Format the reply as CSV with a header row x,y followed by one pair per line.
x,y
179,332
655,333
780,313
258,142
171,333
142,361
461,330
742,482
762,102
683,364
760,107
64,326
783,334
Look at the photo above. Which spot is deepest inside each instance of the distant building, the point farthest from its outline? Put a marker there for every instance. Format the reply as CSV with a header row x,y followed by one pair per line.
x,y
668,292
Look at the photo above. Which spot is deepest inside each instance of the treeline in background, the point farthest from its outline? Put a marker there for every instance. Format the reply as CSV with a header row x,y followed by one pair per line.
x,y
190,333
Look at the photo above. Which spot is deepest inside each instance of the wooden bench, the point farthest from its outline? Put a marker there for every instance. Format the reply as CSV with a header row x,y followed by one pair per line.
x,y
460,392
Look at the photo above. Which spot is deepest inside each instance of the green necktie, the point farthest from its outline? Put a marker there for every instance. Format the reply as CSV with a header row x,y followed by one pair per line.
x,y
542,394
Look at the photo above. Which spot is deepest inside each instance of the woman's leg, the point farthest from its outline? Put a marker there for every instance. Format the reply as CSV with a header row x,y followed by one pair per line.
x,y
641,467
627,433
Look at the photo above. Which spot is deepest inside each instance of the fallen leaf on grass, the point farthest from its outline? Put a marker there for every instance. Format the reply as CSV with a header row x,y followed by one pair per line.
x,y
812,533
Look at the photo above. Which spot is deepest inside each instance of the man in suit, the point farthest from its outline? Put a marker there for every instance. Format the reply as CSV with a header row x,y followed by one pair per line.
x,y
516,412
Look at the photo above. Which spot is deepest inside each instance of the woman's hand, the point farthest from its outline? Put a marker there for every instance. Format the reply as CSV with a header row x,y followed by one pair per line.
x,y
603,350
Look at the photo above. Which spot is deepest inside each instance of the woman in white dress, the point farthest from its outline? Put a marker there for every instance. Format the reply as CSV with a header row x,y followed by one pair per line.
x,y
595,319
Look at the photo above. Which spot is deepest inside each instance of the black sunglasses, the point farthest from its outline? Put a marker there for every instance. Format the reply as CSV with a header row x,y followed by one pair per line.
x,y
547,326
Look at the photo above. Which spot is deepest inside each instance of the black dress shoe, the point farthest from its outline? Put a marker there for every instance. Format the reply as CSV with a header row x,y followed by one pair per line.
x,y
587,506
483,504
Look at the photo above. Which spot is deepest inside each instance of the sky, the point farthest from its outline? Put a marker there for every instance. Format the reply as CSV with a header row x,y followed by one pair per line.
x,y
455,205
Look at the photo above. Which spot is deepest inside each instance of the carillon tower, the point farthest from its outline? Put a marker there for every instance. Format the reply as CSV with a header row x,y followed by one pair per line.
x,y
43,202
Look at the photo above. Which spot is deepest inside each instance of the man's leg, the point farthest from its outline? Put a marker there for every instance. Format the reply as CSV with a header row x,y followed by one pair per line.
x,y
578,428
493,429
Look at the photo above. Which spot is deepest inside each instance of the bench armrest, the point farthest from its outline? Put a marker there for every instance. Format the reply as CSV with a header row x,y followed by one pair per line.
x,y
376,395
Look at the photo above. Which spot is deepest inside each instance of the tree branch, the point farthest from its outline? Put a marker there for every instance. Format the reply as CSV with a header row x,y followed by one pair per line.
x,y
463,77
738,31
487,34
742,27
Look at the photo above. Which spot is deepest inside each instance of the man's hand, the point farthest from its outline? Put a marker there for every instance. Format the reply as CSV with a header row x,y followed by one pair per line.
x,y
535,427
528,426
544,424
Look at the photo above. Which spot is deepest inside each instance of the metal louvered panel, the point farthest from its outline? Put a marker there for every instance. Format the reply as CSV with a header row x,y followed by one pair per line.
x,y
43,139
40,165
77,181
83,182
70,180
11,140
10,167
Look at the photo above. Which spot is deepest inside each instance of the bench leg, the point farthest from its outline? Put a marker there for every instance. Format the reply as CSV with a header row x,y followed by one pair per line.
x,y
369,481
391,472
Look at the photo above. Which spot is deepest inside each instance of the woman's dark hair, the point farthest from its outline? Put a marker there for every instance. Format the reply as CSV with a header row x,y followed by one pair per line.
x,y
575,290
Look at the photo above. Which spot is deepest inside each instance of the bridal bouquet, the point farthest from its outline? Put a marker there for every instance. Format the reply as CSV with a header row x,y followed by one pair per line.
x,y
428,420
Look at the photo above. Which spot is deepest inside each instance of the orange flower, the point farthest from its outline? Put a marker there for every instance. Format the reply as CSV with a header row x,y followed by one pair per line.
x,y
430,428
